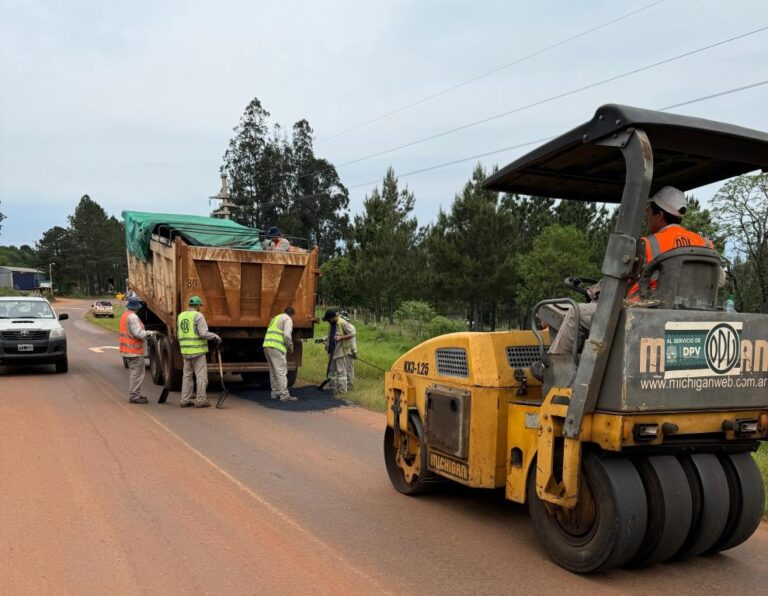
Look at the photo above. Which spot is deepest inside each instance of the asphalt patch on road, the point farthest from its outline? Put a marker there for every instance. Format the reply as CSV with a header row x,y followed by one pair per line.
x,y
310,399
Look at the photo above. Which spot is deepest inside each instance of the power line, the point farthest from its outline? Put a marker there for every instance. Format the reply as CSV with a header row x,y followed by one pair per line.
x,y
714,95
490,72
553,97
543,140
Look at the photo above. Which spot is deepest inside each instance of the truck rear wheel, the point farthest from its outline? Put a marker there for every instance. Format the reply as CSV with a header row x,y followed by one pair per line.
x,y
747,498
410,474
669,508
155,364
171,374
711,502
607,526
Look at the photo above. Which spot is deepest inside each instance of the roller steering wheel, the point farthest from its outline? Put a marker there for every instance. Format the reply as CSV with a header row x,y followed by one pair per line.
x,y
580,285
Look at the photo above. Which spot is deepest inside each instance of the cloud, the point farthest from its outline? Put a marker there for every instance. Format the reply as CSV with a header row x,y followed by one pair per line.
x,y
134,103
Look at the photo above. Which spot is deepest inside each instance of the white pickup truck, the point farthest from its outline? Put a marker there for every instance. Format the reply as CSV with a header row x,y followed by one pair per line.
x,y
30,333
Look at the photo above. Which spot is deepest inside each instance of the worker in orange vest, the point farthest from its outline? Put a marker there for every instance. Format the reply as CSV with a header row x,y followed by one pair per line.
x,y
132,338
664,215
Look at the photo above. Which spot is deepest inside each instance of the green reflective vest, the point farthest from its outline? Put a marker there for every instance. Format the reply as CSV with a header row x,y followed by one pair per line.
x,y
189,342
274,337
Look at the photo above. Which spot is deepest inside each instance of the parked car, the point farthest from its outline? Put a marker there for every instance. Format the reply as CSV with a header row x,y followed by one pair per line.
x,y
102,308
30,333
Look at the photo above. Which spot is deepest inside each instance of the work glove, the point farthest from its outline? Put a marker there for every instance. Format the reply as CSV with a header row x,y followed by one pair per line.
x,y
354,354
217,339
319,340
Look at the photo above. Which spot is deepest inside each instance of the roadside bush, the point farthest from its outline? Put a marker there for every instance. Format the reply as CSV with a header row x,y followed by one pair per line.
x,y
413,316
440,325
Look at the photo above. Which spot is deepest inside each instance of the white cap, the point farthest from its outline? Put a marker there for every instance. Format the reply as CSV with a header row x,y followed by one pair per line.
x,y
671,200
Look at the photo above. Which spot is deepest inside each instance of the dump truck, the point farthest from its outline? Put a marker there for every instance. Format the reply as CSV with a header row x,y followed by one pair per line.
x,y
173,257
637,447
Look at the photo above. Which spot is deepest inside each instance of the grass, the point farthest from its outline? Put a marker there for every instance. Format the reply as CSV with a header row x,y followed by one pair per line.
x,y
761,457
378,344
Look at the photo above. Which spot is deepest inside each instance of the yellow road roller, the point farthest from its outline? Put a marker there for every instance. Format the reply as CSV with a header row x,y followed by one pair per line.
x,y
635,448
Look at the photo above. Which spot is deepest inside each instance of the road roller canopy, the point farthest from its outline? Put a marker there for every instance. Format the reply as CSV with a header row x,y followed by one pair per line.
x,y
687,153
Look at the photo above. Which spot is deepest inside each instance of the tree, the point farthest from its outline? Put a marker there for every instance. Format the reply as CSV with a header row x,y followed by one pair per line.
x,y
274,181
383,246
318,201
17,256
699,220
337,282
414,316
2,217
558,252
253,163
741,206
88,255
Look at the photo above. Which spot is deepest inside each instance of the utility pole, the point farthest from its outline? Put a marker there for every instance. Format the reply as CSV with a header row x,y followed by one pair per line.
x,y
225,209
50,276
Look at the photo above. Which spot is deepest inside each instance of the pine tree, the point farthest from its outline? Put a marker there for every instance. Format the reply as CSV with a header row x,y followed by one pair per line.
x,y
383,246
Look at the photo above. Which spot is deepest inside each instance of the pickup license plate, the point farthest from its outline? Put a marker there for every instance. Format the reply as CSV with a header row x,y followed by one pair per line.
x,y
26,348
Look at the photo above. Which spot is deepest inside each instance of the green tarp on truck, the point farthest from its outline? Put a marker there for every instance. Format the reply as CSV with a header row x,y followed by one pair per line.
x,y
196,230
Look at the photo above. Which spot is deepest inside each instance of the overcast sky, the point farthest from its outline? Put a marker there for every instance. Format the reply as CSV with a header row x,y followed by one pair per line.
x,y
134,103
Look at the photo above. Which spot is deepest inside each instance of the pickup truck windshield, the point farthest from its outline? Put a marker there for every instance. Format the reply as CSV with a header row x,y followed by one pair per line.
x,y
25,309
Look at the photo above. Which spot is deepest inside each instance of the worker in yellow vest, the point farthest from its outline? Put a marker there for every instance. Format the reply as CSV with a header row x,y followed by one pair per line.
x,y
278,341
132,337
193,334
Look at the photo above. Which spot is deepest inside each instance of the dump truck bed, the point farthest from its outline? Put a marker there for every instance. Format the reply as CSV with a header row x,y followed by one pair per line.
x,y
239,288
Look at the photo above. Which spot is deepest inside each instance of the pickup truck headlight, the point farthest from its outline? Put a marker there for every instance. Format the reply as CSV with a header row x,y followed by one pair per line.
x,y
56,333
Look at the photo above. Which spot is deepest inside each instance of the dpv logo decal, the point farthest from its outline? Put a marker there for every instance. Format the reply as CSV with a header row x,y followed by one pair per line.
x,y
693,349
722,348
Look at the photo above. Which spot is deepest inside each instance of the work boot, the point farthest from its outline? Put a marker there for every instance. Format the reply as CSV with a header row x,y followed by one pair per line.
x,y
186,404
138,400
288,398
205,404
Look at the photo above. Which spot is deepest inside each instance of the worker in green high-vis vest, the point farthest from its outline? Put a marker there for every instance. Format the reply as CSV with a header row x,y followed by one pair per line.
x,y
192,332
278,341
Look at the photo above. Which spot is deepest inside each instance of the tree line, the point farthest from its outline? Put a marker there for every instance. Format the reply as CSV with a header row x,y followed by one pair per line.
x,y
486,259
86,257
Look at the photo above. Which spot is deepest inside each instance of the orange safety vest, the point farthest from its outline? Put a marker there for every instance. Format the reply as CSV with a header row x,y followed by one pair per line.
x,y
128,343
668,238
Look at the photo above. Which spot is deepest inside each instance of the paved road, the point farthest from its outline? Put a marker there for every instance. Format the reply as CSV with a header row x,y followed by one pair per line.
x,y
98,496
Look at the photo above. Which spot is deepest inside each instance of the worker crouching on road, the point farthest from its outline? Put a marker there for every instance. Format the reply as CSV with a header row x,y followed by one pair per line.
x,y
278,341
193,334
341,345
132,338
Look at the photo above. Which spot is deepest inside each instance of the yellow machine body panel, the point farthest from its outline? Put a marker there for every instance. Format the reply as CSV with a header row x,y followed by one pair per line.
x,y
461,385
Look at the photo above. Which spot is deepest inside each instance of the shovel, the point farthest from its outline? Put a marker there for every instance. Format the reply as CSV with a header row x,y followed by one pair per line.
x,y
225,391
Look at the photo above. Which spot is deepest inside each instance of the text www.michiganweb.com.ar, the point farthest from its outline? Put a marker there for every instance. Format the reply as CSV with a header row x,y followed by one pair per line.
x,y
701,383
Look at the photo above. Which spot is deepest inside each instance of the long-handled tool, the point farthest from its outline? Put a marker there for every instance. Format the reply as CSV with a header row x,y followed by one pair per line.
x,y
370,364
224,391
328,379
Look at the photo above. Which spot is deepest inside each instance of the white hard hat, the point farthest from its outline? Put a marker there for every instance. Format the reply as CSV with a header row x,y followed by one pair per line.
x,y
671,200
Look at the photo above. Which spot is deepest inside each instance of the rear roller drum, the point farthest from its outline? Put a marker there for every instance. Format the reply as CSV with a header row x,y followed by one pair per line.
x,y
407,463
607,526
710,499
747,498
669,509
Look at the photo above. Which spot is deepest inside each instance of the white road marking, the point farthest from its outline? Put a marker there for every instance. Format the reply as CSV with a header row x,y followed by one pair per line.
x,y
100,349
